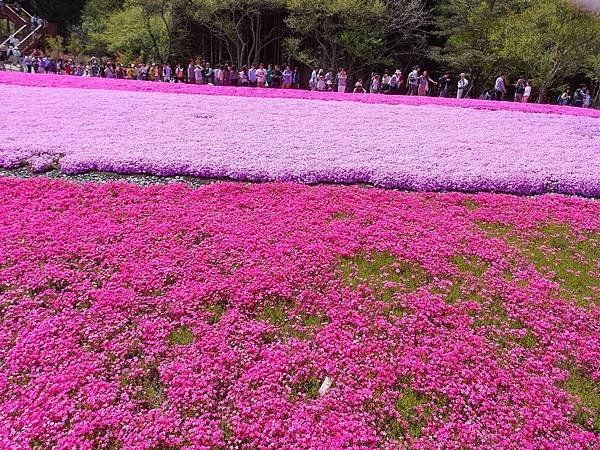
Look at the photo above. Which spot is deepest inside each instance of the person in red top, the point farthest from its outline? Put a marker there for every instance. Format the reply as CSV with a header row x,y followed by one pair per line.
x,y
68,68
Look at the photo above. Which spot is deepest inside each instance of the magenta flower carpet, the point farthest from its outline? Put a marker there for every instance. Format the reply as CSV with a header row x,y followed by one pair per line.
x,y
282,315
286,316
402,142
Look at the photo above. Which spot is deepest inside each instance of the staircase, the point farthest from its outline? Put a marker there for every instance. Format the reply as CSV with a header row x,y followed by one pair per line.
x,y
28,37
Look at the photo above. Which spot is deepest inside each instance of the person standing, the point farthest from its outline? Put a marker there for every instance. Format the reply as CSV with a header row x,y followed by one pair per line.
x,y
423,84
444,82
198,74
36,63
394,83
579,96
413,81
384,84
463,85
167,73
276,78
321,83
329,77
375,84
519,89
261,76
108,72
288,77
269,75
178,74
527,92
252,75
244,80
500,87
217,75
18,58
296,78
587,101
119,72
130,72
207,74
28,63
190,72
314,78
234,76
225,75
342,78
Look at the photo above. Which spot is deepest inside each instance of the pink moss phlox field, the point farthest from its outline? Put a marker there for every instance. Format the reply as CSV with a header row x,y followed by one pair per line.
x,y
166,317
44,80
427,148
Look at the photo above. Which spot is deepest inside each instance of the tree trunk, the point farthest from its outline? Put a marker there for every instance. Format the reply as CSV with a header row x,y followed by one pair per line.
x,y
542,94
596,98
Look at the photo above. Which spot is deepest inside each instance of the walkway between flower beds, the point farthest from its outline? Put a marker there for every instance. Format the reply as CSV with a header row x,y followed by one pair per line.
x,y
43,80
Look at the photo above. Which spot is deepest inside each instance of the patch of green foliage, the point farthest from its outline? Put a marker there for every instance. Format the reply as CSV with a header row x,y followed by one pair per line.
x,y
181,336
377,269
572,261
281,314
216,311
569,260
580,385
470,263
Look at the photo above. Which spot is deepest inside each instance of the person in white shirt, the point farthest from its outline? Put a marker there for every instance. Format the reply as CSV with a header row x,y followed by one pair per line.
x,y
463,84
527,92
28,63
500,87
587,99
261,76
413,81
314,79
198,74
375,84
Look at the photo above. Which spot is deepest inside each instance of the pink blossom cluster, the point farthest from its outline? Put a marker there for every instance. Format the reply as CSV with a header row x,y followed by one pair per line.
x,y
238,316
46,80
427,147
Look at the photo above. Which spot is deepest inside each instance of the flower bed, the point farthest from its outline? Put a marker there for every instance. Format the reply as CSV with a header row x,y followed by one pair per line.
x,y
166,317
403,146
43,80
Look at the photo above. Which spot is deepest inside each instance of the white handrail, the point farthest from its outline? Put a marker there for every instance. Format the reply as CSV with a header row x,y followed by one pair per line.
x,y
14,34
39,27
22,10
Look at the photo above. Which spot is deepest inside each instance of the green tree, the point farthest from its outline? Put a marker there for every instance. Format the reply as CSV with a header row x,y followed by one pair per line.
x,y
550,41
466,28
132,28
330,33
239,25
592,70
65,13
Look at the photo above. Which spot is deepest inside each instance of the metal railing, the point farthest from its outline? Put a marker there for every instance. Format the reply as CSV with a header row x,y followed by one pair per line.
x,y
33,35
36,34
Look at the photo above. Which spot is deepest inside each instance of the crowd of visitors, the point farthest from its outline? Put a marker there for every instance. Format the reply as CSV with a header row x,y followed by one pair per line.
x,y
416,82
10,48
581,97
